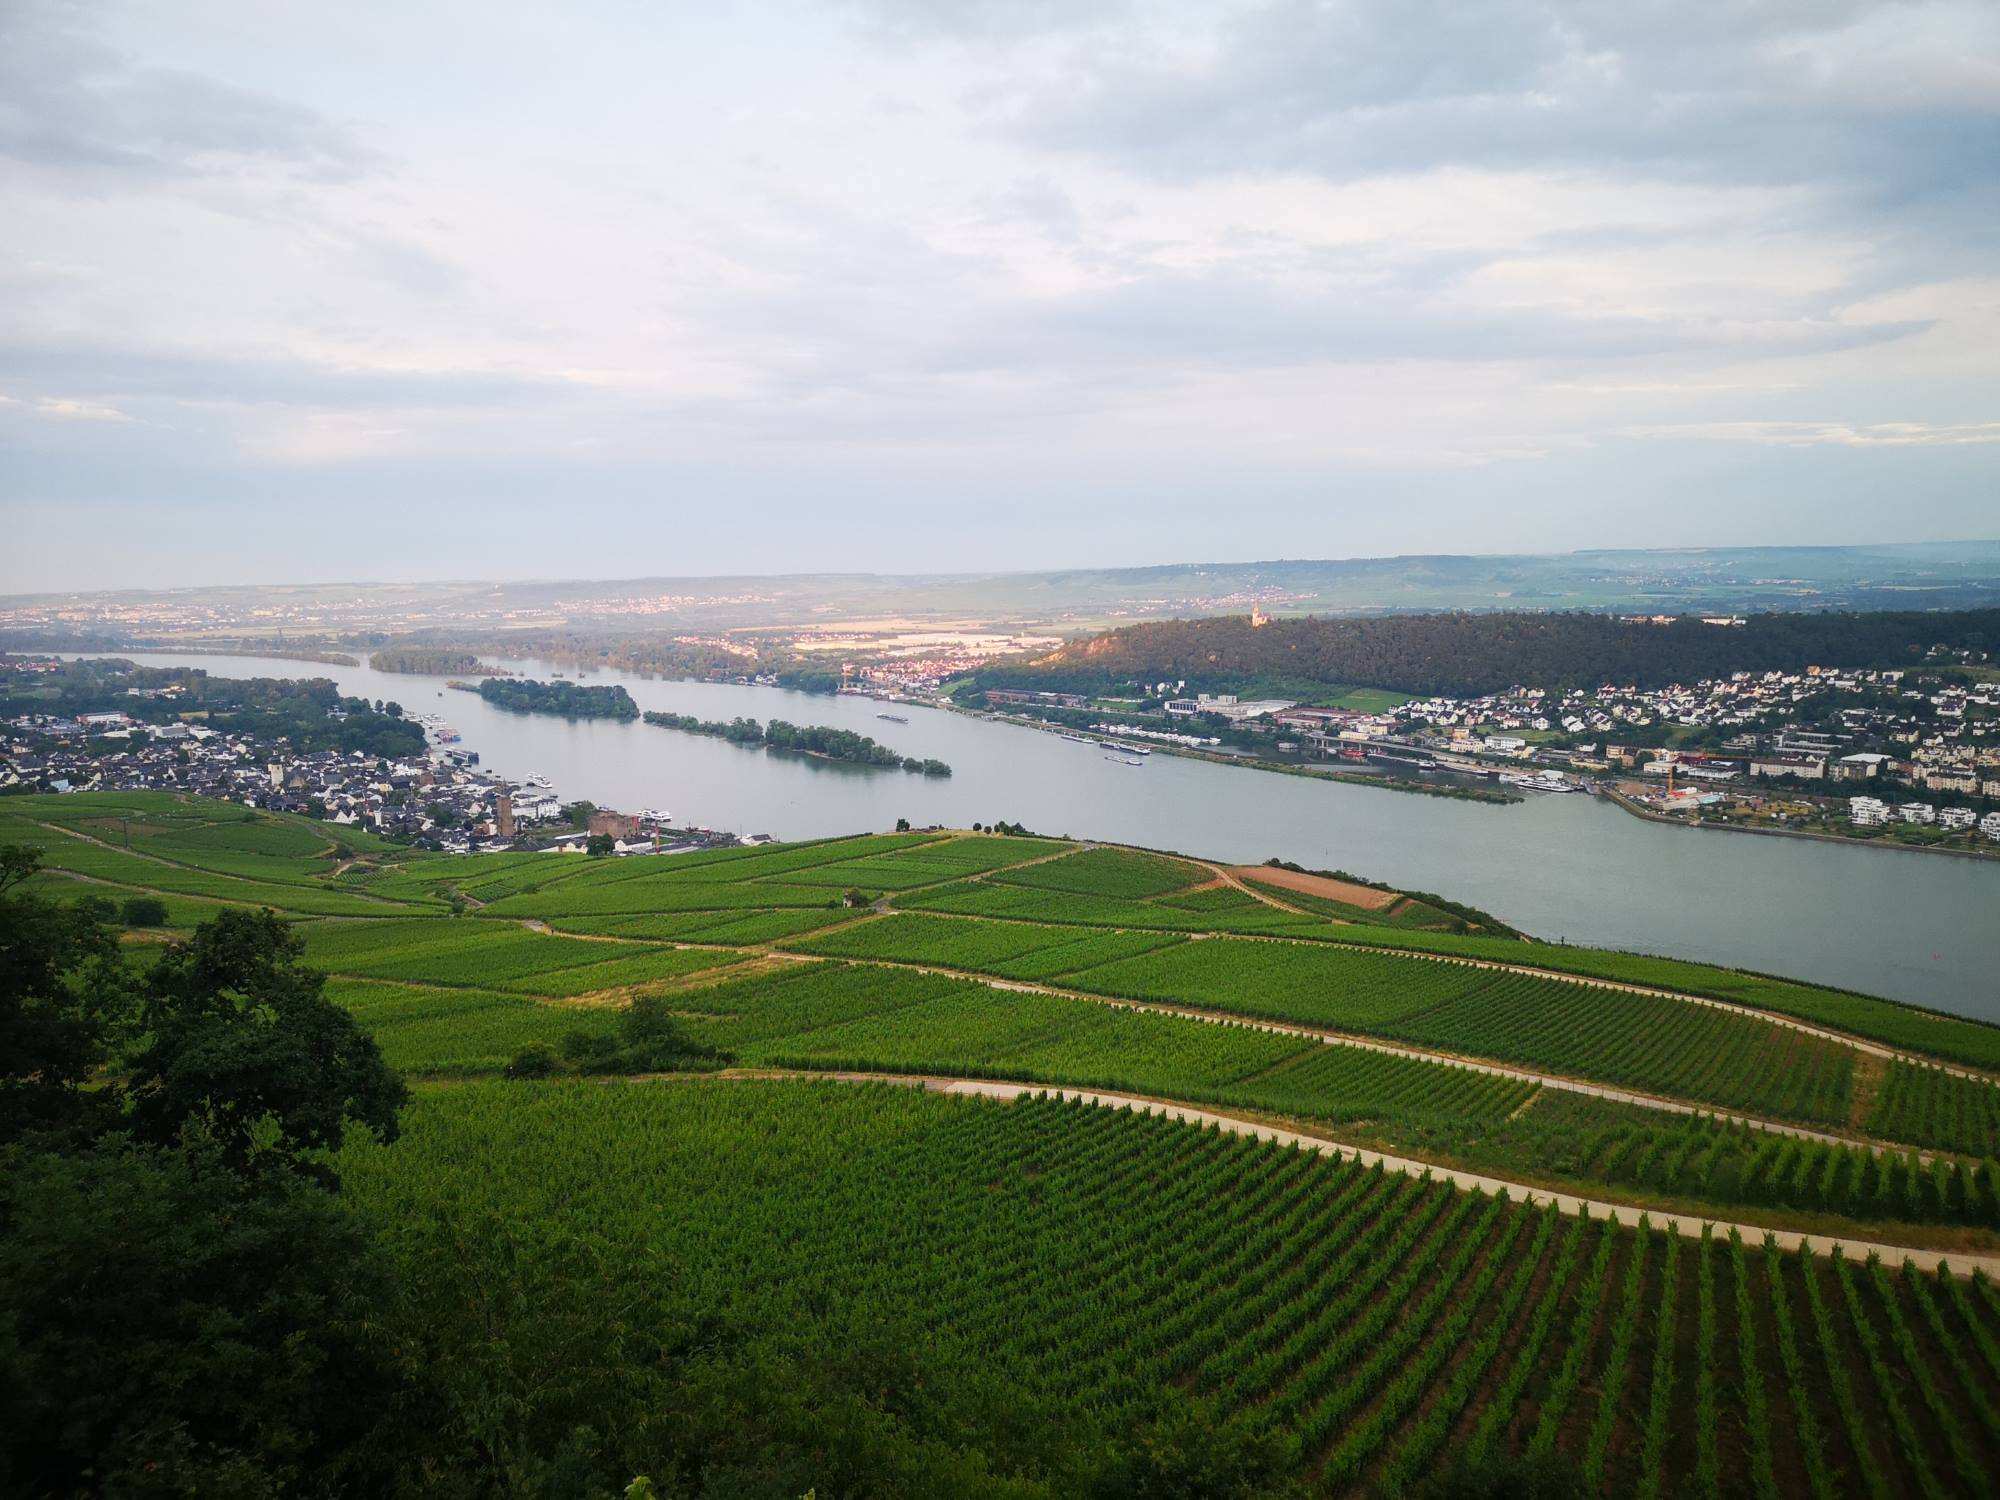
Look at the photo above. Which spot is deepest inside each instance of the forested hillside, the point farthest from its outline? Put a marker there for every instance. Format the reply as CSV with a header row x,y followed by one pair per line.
x,y
1469,654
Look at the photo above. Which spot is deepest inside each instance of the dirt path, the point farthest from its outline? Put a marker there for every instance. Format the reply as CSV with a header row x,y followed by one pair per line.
x,y
1008,1091
1330,1037
313,884
1881,1050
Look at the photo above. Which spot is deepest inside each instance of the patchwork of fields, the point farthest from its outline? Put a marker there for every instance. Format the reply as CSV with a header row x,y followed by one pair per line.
x,y
1370,1323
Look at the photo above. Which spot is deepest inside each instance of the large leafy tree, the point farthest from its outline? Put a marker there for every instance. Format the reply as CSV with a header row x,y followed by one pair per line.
x,y
243,1044
62,994
168,1327
185,1307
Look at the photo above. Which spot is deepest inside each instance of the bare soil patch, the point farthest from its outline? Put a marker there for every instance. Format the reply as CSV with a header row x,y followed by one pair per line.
x,y
1364,896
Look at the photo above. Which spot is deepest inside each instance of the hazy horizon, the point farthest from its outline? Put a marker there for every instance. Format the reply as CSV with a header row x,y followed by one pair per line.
x,y
895,286
1057,571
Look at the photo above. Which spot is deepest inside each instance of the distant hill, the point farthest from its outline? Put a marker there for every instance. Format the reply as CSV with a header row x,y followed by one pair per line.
x,y
1926,575
1467,654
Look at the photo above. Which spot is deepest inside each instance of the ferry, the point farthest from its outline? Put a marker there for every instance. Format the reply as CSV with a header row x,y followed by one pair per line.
x,y
893,718
1543,781
536,778
1125,760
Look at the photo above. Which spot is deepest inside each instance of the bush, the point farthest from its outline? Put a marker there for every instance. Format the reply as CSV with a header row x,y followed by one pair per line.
x,y
144,911
649,1039
536,1060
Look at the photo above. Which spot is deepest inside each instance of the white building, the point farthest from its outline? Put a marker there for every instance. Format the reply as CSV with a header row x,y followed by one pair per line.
x,y
1228,706
1955,818
1990,825
1917,812
535,807
1867,812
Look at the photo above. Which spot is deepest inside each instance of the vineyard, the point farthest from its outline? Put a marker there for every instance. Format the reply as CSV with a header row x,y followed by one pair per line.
x,y
1301,982
458,1032
1037,1290
1659,1045
1029,904
1951,1037
1585,1141
1118,873
1936,1108
1012,950
1061,1280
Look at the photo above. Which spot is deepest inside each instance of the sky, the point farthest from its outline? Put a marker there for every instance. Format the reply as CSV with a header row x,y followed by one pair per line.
x,y
309,292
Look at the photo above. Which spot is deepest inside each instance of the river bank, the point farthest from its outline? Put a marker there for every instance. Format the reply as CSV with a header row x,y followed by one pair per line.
x,y
1248,762
1640,810
1565,868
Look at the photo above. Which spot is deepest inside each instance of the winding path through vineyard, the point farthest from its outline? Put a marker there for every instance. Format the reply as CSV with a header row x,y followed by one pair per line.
x,y
1688,1225
1333,1038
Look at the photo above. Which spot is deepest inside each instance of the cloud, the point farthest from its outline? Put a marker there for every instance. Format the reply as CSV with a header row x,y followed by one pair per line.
x,y
1897,95
72,105
1824,434
197,378
62,409
942,259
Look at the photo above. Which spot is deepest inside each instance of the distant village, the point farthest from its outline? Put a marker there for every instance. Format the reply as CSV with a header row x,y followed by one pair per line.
x,y
439,800
1861,750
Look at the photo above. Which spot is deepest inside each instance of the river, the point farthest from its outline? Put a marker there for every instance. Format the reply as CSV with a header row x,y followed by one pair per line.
x,y
1919,927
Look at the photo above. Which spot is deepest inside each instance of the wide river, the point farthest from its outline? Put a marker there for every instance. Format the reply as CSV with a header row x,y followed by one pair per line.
x,y
1920,927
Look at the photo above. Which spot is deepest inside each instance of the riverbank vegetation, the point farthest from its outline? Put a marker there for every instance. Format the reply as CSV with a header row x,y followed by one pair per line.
x,y
433,661
821,740
570,700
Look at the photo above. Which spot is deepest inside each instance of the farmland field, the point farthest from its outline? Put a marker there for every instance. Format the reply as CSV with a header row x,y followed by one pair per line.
x,y
1284,981
1060,1280
449,952
1665,1046
1936,1108
1035,1289
1122,873
457,1031
641,969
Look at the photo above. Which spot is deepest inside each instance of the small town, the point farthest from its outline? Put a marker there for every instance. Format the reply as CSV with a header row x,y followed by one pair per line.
x,y
1909,754
438,800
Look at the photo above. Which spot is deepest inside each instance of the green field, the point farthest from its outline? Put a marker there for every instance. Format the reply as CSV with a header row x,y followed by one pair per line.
x,y
1118,873
1040,1299
1034,1289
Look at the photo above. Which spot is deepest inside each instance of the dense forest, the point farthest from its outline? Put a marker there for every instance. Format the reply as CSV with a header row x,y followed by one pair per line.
x,y
570,699
308,713
433,661
805,739
1468,654
650,655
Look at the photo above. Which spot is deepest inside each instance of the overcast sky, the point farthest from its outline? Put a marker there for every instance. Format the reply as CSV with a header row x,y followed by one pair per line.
x,y
298,291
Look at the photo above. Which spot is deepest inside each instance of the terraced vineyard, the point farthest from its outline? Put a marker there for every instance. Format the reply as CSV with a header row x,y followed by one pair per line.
x,y
1936,1108
1059,1277
1069,1286
1657,1045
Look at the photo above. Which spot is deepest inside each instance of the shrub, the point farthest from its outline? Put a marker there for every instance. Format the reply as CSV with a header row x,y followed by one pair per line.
x,y
144,911
536,1060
